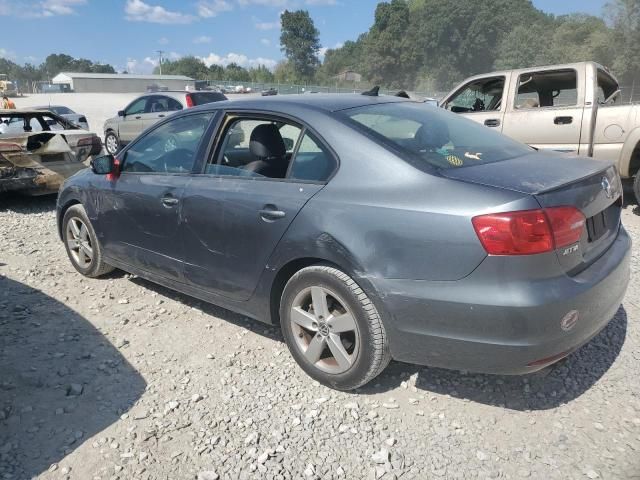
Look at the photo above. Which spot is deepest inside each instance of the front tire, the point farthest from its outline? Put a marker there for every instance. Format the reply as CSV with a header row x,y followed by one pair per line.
x,y
636,187
81,243
111,143
332,328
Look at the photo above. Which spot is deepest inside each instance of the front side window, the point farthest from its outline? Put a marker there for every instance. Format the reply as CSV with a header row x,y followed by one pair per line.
x,y
137,107
433,137
547,89
478,96
170,148
255,148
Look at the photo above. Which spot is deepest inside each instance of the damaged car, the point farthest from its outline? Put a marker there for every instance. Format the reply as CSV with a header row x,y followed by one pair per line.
x,y
38,150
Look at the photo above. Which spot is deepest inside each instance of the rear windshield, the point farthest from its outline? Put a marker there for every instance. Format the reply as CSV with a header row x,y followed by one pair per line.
x,y
432,136
200,98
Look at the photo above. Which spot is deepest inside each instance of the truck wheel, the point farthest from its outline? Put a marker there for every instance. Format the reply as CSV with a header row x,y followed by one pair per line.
x,y
636,187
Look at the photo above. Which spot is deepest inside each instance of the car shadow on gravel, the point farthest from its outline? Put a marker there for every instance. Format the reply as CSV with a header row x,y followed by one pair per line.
x,y
18,203
61,381
561,383
266,330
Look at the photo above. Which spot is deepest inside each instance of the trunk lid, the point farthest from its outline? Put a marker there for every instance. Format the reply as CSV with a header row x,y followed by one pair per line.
x,y
592,186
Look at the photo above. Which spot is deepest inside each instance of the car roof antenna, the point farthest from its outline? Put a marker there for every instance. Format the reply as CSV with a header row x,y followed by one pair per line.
x,y
373,92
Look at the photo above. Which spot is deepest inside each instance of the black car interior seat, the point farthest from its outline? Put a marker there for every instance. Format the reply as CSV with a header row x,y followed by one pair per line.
x,y
267,145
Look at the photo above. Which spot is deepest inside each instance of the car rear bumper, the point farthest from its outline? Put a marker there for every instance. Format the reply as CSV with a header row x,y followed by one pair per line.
x,y
491,325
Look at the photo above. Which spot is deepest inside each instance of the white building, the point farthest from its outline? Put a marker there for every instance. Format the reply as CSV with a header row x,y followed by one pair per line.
x,y
121,82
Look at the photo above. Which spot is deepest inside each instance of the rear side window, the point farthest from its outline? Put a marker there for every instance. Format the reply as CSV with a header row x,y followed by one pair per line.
x,y
312,161
547,89
170,148
200,98
433,137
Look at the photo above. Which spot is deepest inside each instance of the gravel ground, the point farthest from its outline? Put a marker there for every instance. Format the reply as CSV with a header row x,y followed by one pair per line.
x,y
117,378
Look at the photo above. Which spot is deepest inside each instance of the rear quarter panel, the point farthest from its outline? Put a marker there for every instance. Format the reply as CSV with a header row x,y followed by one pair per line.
x,y
381,217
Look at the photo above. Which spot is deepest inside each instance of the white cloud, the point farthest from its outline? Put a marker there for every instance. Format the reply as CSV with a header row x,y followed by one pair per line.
x,y
4,53
139,11
52,8
260,25
132,65
265,41
40,9
202,39
238,58
211,8
163,41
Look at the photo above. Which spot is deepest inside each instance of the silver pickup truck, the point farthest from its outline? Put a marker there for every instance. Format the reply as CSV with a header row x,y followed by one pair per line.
x,y
572,108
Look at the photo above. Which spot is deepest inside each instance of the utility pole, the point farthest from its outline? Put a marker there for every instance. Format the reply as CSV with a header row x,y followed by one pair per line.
x,y
160,52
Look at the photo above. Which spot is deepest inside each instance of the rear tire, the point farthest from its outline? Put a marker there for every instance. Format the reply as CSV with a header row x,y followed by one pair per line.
x,y
636,187
332,328
111,143
81,243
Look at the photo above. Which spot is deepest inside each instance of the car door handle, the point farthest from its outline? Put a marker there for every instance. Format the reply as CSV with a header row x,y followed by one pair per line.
x,y
138,117
170,201
271,212
161,116
492,122
563,120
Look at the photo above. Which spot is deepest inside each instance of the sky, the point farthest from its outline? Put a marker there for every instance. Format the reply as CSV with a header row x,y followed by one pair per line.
x,y
128,33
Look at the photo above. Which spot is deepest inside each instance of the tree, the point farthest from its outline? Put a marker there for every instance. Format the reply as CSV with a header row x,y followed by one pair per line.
x,y
299,42
624,15
189,66
389,50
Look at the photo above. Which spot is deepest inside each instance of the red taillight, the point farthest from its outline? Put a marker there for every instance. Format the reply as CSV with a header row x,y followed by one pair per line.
x,y
189,100
567,224
528,232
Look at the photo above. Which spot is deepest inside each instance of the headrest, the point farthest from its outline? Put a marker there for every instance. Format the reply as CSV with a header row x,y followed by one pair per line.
x,y
432,136
266,142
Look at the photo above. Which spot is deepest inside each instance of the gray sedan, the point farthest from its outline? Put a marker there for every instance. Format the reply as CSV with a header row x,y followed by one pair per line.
x,y
368,228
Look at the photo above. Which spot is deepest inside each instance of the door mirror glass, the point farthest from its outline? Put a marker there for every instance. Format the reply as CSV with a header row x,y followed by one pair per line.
x,y
103,165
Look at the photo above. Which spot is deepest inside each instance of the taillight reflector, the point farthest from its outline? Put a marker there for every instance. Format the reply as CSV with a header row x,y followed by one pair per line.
x,y
10,147
189,100
529,232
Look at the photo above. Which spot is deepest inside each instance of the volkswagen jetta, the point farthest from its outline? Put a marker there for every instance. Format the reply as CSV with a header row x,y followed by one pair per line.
x,y
367,227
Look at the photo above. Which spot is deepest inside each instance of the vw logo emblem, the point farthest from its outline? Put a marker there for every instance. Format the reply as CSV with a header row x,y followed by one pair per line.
x,y
323,328
606,186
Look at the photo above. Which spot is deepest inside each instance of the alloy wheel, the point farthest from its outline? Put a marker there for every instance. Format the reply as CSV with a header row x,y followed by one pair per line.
x,y
325,330
111,142
79,242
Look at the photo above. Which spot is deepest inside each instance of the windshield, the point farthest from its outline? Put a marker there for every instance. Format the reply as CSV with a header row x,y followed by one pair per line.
x,y
434,136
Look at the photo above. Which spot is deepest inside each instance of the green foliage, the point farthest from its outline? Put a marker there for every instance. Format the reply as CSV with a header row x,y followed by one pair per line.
x,y
53,65
433,44
190,66
299,42
624,15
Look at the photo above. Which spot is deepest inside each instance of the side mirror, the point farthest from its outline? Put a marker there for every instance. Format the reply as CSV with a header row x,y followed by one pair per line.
x,y
121,113
103,165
